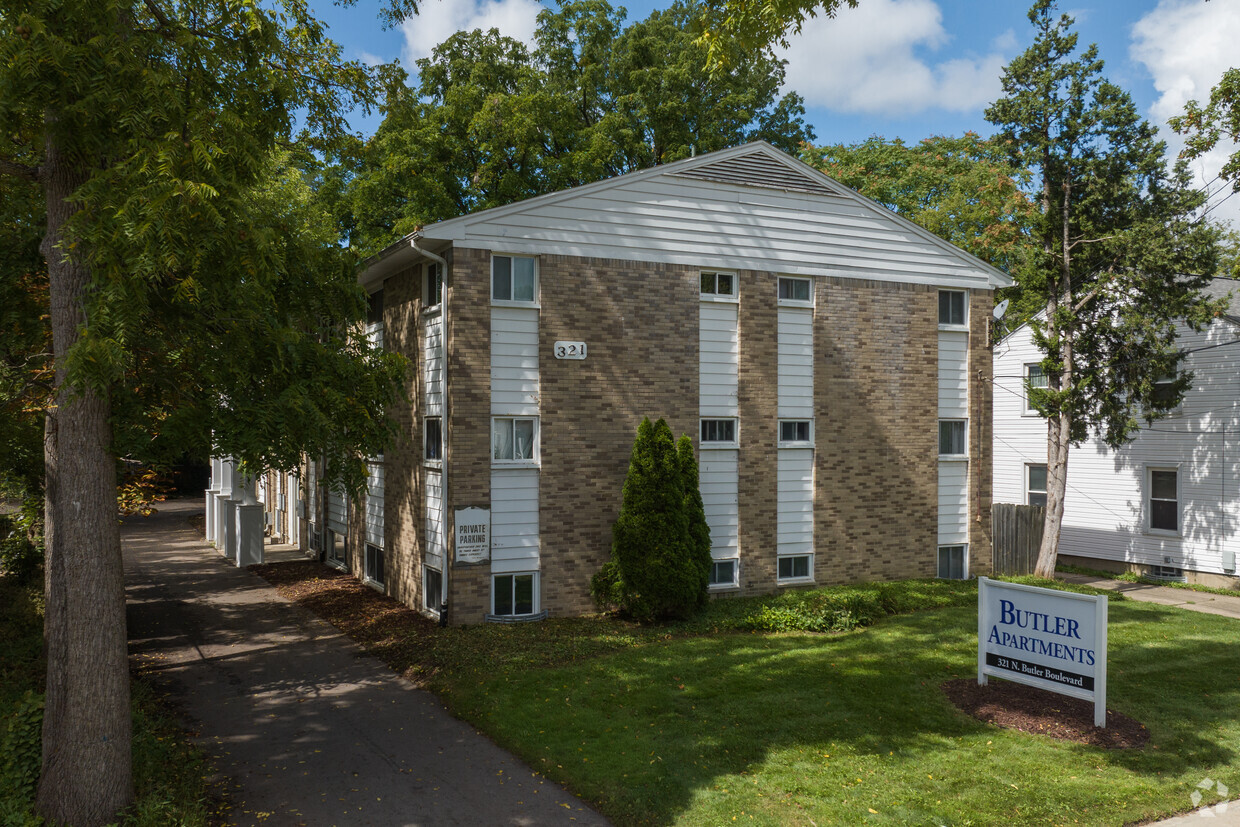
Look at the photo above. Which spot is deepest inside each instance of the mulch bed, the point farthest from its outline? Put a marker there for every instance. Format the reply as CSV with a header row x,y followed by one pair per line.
x,y
1016,706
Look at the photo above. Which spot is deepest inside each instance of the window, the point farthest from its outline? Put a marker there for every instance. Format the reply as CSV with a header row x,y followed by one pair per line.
x,y
796,567
718,432
952,441
1164,500
953,562
1035,485
514,439
432,437
1034,379
432,294
374,308
513,279
1164,391
432,589
513,595
315,540
719,285
794,290
722,573
952,308
337,548
374,564
794,431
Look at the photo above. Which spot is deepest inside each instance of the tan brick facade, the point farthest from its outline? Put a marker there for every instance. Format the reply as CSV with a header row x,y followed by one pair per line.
x,y
981,432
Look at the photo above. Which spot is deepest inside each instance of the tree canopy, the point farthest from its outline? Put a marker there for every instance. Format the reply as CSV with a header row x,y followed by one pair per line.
x,y
1216,122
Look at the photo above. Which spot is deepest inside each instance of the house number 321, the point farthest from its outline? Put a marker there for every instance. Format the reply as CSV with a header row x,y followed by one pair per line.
x,y
570,350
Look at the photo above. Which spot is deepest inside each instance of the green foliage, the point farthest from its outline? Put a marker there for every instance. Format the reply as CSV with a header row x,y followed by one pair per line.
x,y
695,511
20,752
658,569
1217,121
20,557
491,122
756,25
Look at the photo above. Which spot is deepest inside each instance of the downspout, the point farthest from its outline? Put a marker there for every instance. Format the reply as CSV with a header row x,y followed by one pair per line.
x,y
443,473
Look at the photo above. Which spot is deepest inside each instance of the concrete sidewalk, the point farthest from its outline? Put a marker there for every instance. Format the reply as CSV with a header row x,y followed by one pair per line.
x,y
307,729
1214,604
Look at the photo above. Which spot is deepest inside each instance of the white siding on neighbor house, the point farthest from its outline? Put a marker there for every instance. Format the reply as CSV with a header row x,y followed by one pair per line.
x,y
953,374
337,511
514,520
953,502
374,332
719,358
514,361
795,337
720,501
1105,510
432,357
312,483
795,512
374,504
434,520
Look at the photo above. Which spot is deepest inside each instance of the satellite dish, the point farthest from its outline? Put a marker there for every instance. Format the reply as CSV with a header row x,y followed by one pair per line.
x,y
1000,309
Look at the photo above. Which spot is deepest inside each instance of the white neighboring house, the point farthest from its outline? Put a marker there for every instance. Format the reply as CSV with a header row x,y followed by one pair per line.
x,y
1166,504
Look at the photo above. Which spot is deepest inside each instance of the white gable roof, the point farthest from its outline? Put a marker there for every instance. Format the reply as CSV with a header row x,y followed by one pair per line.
x,y
749,207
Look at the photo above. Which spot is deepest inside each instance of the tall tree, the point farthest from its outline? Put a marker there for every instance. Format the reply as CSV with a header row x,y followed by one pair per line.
x,y
1120,256
756,25
183,303
1218,121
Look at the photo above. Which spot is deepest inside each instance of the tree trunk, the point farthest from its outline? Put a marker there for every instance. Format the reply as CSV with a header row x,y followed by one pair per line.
x,y
86,775
1056,488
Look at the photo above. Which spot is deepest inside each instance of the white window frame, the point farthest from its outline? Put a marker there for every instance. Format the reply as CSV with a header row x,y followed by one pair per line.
x,y
964,560
716,444
809,568
430,462
367,576
714,295
1026,385
1167,380
514,575
962,325
1029,489
965,427
1148,501
428,271
329,548
536,448
795,443
426,604
736,575
514,302
782,302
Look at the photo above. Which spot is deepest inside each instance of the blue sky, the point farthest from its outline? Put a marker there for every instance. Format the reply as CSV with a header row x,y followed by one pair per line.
x,y
899,68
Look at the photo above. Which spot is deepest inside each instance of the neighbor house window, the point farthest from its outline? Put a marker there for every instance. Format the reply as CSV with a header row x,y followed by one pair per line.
x,y
513,279
952,441
514,439
718,432
722,573
794,290
1164,390
719,285
432,589
337,548
795,432
1034,379
432,295
954,562
433,437
1164,500
374,564
952,307
513,595
1035,485
795,567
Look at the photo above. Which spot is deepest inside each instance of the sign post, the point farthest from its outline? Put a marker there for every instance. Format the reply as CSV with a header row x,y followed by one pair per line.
x,y
1046,638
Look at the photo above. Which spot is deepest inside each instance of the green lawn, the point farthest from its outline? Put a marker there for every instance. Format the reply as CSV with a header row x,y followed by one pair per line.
x,y
851,728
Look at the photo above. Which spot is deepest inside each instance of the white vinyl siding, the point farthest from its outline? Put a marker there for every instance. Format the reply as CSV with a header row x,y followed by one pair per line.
x,y
1105,509
514,520
432,360
796,362
337,511
374,504
795,509
720,358
514,361
434,520
953,374
718,481
953,502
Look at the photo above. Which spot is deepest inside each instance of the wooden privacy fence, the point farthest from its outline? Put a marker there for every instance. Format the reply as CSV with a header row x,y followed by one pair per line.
x,y
1016,533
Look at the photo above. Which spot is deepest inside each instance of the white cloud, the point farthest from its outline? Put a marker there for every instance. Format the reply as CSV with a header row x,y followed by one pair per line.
x,y
867,60
370,59
444,18
1187,45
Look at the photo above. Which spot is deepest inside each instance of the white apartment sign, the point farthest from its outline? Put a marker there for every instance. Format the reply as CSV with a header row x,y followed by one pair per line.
x,y
473,535
1045,638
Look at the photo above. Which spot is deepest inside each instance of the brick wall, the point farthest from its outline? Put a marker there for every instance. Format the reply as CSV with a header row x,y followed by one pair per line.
x,y
757,400
403,508
875,405
639,322
981,431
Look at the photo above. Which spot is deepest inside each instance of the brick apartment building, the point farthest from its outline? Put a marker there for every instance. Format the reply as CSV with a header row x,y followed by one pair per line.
x,y
828,357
